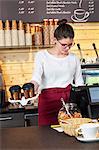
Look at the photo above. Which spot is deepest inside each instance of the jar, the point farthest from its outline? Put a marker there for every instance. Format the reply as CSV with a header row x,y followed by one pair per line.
x,y
15,92
28,89
51,31
70,110
46,31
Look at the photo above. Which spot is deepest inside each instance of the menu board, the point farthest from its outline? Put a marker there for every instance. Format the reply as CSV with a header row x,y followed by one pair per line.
x,y
37,10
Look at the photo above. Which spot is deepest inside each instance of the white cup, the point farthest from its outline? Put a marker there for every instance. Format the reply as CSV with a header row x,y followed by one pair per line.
x,y
88,130
8,38
2,38
21,37
28,39
14,37
80,14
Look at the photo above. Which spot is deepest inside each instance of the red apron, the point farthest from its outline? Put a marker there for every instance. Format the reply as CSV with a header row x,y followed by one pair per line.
x,y
49,104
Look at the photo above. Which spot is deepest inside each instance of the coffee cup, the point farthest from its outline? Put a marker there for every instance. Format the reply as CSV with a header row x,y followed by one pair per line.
x,y
80,14
88,130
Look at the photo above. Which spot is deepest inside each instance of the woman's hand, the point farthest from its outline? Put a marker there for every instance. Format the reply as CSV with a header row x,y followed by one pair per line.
x,y
36,87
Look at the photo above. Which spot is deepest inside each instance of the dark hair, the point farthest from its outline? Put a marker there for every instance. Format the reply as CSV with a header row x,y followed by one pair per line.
x,y
64,30
62,21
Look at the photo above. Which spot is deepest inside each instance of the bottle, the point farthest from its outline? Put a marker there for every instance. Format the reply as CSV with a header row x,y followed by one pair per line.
x,y
28,35
14,32
7,34
1,34
21,34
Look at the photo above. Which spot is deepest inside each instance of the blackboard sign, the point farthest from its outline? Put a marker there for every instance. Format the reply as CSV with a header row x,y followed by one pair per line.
x,y
37,10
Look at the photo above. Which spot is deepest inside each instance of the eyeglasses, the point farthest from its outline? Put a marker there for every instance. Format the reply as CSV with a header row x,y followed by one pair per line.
x,y
65,45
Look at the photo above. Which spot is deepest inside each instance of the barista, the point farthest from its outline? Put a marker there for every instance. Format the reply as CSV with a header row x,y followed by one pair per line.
x,y
55,70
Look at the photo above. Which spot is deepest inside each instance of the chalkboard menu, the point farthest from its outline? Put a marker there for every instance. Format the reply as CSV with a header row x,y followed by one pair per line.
x,y
37,10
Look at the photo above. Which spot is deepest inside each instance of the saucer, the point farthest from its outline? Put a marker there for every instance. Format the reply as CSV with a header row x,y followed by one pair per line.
x,y
80,138
75,20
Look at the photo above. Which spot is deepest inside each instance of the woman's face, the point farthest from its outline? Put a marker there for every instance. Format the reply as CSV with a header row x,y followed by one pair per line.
x,y
64,45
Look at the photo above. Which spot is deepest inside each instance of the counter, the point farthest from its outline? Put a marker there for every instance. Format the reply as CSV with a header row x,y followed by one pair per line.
x,y
41,138
18,117
12,109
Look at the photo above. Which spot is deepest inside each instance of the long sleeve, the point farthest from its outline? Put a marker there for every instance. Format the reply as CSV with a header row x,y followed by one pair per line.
x,y
38,68
78,74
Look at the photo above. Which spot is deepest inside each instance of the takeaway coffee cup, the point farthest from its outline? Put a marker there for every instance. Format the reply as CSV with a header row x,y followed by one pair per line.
x,y
15,92
28,89
88,130
80,14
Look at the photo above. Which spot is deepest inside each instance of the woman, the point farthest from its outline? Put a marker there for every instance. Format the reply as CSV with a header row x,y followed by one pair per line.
x,y
55,70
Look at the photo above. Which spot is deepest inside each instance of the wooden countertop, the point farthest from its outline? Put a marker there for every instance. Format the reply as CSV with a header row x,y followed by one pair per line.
x,y
40,138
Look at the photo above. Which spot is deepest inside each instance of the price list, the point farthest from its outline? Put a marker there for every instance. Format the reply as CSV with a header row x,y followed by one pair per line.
x,y
91,6
26,7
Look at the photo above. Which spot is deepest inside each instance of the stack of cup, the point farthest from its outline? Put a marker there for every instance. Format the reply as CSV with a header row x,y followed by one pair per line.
x,y
21,34
1,34
28,35
7,34
14,33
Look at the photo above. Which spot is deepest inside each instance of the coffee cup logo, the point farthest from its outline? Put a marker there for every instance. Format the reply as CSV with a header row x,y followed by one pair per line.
x,y
80,15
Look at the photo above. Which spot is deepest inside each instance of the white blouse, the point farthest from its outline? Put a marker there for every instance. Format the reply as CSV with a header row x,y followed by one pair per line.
x,y
51,71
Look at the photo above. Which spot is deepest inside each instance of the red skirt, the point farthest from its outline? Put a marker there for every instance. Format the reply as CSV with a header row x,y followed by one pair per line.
x,y
49,104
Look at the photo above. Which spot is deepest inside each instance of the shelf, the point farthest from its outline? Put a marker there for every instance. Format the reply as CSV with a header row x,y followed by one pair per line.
x,y
24,47
35,47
